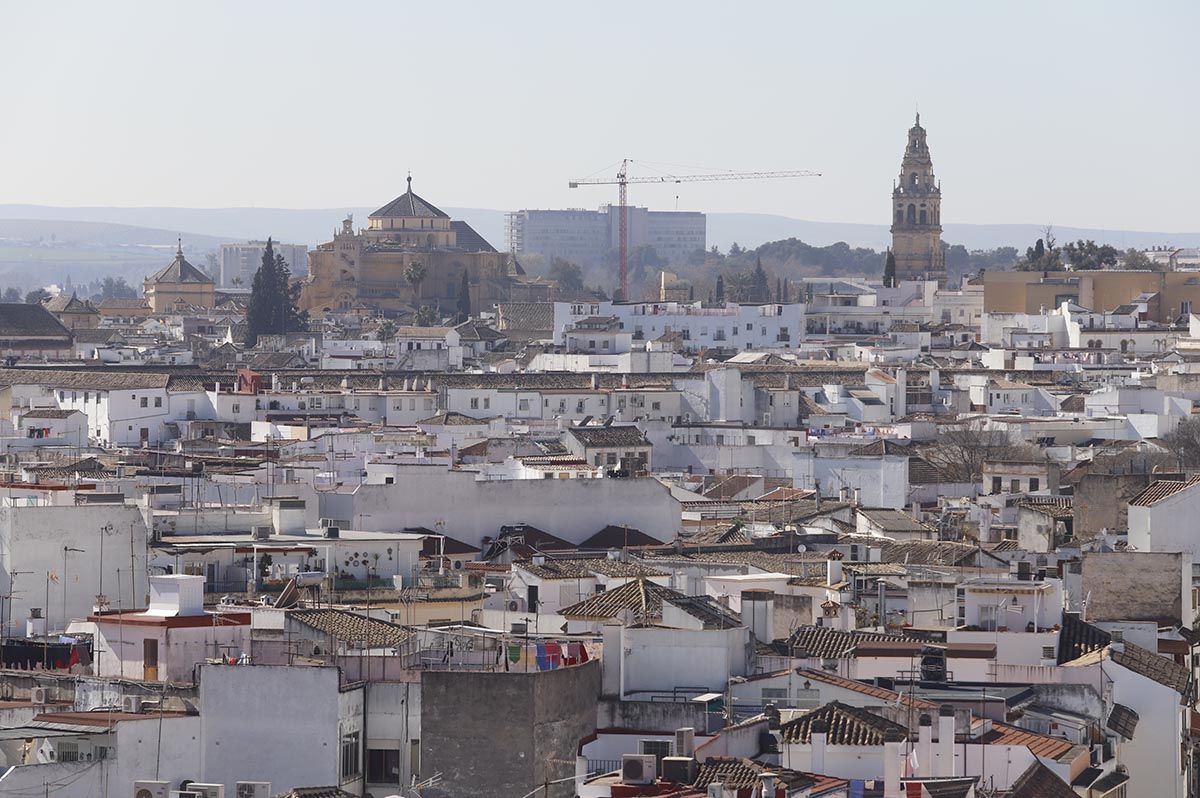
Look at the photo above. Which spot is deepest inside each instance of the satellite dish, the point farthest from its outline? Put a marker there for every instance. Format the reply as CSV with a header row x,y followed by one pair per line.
x,y
802,547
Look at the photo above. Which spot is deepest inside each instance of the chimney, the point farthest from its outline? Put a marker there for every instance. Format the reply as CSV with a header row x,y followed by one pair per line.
x,y
595,381
893,741
924,745
945,760
857,494
819,730
768,784
758,612
539,559
833,562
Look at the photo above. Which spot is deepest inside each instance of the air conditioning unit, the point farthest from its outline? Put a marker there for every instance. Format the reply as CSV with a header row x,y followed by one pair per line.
x,y
185,794
254,789
151,789
679,769
132,704
39,695
207,790
1118,636
685,742
638,768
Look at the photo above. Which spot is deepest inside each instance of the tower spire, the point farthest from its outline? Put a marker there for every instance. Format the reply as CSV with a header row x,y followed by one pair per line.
x,y
179,246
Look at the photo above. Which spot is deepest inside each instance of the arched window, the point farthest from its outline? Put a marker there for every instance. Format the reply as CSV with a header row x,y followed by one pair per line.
x,y
1124,346
899,216
923,216
912,214
912,179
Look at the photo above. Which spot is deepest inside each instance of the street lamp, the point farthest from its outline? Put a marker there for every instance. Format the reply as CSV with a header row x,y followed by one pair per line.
x,y
66,615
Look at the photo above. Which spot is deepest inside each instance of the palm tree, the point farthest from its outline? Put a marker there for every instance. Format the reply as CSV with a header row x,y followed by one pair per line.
x,y
415,275
386,331
426,316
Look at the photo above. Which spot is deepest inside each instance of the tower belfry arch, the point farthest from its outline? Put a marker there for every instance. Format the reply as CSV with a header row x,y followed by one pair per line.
x,y
917,213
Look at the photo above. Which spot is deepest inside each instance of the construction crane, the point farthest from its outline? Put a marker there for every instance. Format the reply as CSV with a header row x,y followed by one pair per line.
x,y
622,181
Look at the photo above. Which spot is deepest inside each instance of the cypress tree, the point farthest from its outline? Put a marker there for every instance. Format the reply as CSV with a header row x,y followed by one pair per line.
x,y
272,308
889,270
720,289
464,298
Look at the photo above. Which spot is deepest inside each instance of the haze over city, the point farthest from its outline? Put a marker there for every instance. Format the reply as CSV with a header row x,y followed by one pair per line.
x,y
611,400
1077,113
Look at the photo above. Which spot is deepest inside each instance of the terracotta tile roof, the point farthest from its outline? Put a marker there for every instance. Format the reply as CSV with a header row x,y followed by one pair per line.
x,y
20,320
1056,507
825,643
896,521
623,435
584,567
923,472
882,693
1146,663
619,537
706,610
640,598
409,205
1040,744
96,380
350,627
927,552
1160,490
179,271
743,774
1122,720
767,562
846,725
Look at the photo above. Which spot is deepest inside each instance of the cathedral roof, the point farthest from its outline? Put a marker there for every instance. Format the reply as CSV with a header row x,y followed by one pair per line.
x,y
180,271
409,205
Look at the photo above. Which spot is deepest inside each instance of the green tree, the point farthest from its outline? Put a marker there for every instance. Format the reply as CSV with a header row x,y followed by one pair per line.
x,y
426,316
889,270
37,296
568,275
272,308
12,295
386,331
1043,256
116,289
720,289
1136,259
464,298
761,288
735,250
1089,256
415,274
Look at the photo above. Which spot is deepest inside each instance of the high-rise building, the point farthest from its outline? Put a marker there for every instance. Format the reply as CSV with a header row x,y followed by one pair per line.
x,y
917,214
239,262
592,237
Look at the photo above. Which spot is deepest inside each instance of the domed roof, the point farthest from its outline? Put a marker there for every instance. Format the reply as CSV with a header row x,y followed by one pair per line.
x,y
408,205
180,271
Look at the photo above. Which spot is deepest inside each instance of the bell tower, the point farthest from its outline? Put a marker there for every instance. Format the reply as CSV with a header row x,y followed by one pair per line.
x,y
917,214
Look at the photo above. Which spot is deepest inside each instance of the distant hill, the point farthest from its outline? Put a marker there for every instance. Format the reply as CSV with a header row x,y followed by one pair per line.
x,y
205,228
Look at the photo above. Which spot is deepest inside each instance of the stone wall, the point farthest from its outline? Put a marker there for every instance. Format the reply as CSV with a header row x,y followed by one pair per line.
x,y
500,735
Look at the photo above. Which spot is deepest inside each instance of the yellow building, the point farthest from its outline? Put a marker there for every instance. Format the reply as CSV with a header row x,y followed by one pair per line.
x,y
1168,295
368,268
178,282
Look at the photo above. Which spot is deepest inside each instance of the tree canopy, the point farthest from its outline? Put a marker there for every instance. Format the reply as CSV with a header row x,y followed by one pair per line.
x,y
272,309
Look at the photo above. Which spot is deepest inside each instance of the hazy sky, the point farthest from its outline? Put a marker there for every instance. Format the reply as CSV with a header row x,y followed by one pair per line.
x,y
1077,113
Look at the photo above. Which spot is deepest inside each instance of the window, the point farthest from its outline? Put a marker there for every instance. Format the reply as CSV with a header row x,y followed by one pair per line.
x,y
487,402
997,484
145,402
474,403
1034,483
656,405
350,756
1048,652
236,407
383,766
523,405
1014,486
987,617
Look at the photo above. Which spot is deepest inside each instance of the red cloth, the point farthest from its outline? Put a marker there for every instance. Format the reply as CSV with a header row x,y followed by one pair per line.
x,y
554,654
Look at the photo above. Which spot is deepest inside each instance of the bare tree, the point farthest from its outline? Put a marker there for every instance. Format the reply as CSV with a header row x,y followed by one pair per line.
x,y
1184,443
962,449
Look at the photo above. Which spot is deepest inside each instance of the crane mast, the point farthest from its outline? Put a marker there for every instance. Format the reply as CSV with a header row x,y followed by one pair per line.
x,y
623,180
